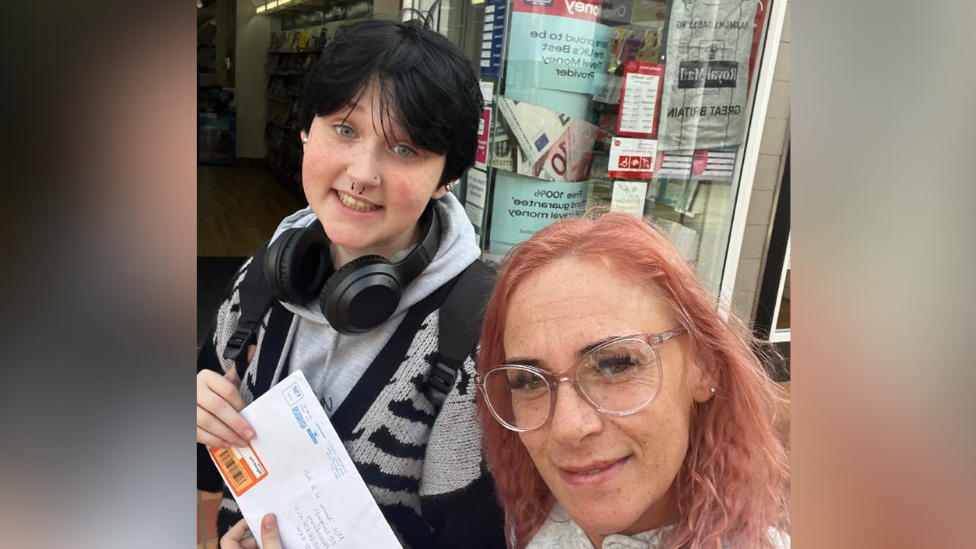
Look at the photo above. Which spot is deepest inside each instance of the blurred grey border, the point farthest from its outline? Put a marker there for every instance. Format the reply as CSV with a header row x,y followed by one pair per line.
x,y
98,212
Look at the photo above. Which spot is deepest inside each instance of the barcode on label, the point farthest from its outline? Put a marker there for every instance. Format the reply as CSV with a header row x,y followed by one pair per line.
x,y
233,468
240,467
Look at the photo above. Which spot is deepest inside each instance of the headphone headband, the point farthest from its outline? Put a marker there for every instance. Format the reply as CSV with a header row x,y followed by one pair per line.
x,y
420,257
363,293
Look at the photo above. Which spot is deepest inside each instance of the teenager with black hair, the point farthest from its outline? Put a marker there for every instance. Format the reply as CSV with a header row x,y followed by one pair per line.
x,y
389,119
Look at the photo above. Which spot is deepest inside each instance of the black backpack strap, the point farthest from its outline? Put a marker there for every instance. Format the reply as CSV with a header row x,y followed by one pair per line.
x,y
256,299
460,325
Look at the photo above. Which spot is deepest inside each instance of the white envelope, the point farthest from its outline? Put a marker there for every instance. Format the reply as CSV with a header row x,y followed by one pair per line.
x,y
297,468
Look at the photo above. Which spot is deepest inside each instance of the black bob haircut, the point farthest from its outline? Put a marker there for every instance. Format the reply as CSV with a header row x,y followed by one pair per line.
x,y
422,81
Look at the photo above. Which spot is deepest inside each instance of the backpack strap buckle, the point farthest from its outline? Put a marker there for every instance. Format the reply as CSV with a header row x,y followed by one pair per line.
x,y
440,381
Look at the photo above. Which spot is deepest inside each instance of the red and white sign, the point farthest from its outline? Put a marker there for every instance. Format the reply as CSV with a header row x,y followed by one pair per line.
x,y
481,154
584,10
632,158
640,96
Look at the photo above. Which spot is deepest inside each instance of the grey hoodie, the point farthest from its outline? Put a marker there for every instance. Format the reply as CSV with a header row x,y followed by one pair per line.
x,y
334,362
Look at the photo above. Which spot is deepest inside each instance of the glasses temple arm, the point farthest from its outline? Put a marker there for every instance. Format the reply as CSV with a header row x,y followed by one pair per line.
x,y
664,336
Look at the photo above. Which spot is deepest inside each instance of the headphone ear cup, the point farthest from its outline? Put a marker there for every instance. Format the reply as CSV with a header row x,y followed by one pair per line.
x,y
361,295
297,265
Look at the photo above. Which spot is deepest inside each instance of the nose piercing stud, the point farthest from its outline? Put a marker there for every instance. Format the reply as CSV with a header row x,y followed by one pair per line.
x,y
712,390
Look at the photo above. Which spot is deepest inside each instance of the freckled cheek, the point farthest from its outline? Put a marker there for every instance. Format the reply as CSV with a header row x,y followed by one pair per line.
x,y
663,448
320,168
536,444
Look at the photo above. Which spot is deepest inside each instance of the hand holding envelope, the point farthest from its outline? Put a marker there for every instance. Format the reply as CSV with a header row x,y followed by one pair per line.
x,y
297,468
237,538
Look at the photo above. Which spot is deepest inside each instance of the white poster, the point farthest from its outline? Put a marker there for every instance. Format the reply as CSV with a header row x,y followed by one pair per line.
x,y
706,74
628,197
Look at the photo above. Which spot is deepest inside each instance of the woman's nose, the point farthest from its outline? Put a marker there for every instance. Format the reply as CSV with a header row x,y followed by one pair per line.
x,y
573,418
363,166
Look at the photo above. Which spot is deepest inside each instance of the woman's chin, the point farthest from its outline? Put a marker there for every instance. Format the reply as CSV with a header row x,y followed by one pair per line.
x,y
603,523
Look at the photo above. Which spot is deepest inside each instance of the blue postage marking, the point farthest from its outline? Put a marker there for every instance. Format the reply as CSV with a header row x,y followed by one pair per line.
x,y
293,394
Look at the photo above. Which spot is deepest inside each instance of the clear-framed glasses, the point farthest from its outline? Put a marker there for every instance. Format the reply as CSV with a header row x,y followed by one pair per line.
x,y
619,377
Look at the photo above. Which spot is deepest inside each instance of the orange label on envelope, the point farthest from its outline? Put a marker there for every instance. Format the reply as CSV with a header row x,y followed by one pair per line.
x,y
240,467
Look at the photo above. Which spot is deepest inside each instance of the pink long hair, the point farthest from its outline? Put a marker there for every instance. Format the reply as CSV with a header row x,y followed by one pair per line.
x,y
731,484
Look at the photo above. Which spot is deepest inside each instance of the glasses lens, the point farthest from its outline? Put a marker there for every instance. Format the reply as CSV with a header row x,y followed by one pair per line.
x,y
519,397
621,377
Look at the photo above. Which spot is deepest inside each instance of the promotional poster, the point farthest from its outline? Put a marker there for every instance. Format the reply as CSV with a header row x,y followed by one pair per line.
x,y
706,74
523,206
559,45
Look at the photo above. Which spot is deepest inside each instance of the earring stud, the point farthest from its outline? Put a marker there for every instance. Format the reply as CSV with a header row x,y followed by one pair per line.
x,y
450,186
304,140
712,390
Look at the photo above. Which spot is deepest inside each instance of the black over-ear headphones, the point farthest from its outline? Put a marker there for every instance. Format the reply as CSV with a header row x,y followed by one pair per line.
x,y
359,296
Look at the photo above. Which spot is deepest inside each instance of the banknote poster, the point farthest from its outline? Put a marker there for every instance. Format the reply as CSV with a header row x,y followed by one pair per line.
x,y
549,145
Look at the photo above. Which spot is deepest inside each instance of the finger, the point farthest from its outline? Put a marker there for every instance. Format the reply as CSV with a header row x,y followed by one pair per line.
x,y
227,390
227,412
249,543
269,532
217,428
250,352
232,539
231,376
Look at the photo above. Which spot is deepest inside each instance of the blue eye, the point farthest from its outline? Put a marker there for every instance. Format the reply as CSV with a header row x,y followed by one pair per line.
x,y
404,150
345,131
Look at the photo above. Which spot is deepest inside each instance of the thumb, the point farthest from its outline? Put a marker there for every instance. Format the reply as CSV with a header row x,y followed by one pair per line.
x,y
269,532
231,376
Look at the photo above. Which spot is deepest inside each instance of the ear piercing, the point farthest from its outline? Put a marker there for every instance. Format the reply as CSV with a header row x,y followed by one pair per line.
x,y
712,390
304,140
450,186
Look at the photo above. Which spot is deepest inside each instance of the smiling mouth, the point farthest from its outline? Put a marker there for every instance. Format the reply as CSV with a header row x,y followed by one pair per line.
x,y
354,204
593,474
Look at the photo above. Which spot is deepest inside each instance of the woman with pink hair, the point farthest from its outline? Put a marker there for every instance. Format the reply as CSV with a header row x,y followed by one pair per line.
x,y
662,434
